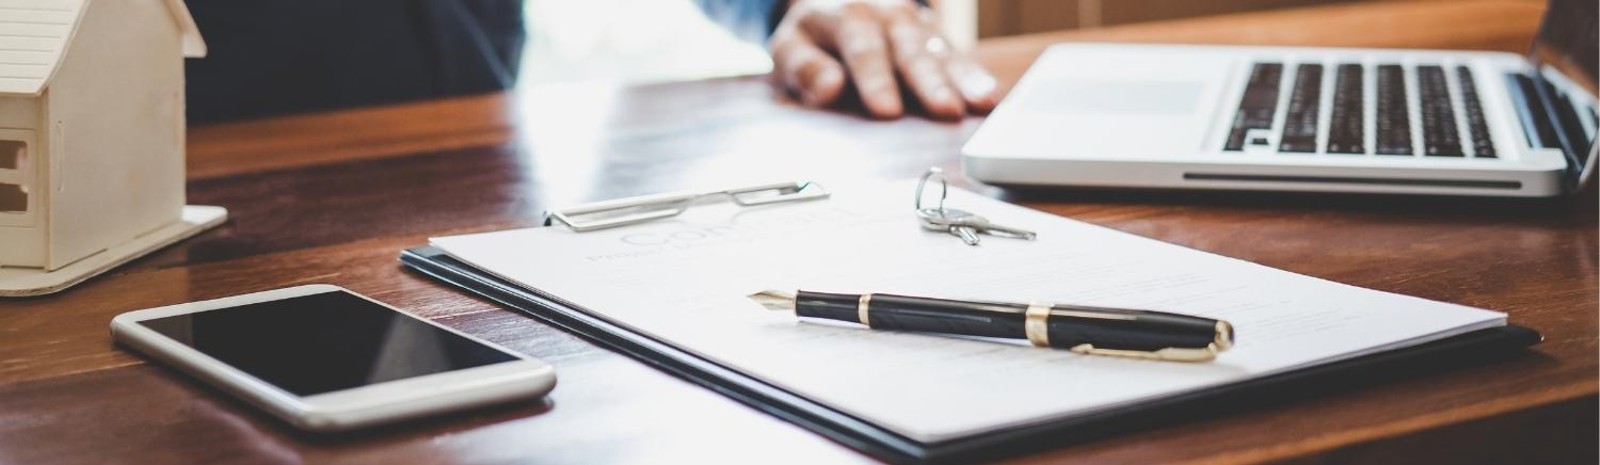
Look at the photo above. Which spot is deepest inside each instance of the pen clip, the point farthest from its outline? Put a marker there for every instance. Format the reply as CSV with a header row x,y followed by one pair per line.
x,y
1223,341
1173,354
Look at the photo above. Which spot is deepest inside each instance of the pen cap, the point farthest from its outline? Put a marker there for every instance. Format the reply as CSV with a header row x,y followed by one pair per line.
x,y
1112,328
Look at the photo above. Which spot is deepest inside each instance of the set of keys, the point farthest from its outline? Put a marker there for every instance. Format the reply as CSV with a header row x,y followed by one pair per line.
x,y
960,223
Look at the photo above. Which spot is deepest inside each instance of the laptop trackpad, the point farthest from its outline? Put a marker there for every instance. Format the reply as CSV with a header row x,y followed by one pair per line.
x,y
1086,116
1116,97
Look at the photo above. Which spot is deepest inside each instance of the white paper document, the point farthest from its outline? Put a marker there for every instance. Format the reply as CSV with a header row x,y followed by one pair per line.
x,y
684,281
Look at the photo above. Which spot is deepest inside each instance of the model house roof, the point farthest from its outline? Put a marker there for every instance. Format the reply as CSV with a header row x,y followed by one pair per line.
x,y
35,34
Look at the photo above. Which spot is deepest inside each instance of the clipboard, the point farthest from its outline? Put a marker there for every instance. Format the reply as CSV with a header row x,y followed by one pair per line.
x,y
1467,349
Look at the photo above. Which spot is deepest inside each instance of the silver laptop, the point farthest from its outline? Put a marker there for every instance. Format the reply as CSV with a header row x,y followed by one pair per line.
x,y
1304,119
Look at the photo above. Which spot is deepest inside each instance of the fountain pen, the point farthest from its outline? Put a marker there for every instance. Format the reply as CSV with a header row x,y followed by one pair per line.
x,y
1078,328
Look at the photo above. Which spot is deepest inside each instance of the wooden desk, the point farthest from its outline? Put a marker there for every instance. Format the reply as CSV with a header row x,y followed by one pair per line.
x,y
333,197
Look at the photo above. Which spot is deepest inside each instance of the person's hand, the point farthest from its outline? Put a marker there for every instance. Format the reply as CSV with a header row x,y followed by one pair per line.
x,y
880,46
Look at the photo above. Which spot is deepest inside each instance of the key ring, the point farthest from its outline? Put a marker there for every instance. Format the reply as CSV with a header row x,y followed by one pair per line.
x,y
944,188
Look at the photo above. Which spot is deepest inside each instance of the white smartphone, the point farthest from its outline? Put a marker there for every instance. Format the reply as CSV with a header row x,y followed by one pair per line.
x,y
326,359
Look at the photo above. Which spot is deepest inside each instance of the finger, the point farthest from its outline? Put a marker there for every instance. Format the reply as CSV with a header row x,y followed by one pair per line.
x,y
807,71
978,88
976,85
858,39
922,67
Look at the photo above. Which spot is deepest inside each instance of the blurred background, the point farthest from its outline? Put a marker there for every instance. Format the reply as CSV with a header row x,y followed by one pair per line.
x,y
631,41
640,41
994,18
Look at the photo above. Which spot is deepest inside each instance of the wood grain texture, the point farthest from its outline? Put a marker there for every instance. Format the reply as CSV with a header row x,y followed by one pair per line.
x,y
333,197
341,136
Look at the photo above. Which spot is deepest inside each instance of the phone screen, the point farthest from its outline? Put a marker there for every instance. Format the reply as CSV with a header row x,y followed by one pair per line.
x,y
325,342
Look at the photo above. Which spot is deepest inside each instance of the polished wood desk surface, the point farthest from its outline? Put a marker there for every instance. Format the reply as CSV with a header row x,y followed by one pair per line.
x,y
331,198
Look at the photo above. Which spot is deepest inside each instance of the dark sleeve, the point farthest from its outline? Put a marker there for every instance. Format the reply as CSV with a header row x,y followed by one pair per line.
x,y
751,20
289,56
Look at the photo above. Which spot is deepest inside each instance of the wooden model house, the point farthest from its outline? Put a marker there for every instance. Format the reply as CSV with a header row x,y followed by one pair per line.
x,y
91,137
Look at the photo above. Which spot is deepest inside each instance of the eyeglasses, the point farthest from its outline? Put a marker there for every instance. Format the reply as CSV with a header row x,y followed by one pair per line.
x,y
634,210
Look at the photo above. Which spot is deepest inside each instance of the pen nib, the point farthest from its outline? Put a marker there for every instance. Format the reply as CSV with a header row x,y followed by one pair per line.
x,y
774,300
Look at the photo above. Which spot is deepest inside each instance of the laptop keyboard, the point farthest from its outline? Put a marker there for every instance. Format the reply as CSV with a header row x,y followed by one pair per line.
x,y
1393,119
1477,126
1346,123
1440,137
1300,124
1260,101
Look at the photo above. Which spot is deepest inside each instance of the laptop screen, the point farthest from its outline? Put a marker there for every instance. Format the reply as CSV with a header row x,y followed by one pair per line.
x,y
1565,55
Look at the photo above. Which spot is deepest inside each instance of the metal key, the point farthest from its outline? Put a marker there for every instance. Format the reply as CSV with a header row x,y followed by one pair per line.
x,y
980,224
935,219
966,233
952,221
967,225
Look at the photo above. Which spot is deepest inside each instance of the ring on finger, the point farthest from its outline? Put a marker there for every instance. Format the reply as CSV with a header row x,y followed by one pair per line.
x,y
936,45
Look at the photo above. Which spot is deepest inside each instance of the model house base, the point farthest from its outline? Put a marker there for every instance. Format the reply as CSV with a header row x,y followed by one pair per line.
x,y
22,282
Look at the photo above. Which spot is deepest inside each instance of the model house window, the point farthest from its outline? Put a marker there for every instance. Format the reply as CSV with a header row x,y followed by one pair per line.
x,y
13,154
13,198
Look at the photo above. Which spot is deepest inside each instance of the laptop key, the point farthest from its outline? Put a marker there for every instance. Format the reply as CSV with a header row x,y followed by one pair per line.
x,y
1393,115
1477,127
1440,137
1257,106
1345,132
1300,122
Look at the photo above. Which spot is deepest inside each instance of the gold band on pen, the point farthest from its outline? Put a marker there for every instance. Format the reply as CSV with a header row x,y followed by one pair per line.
x,y
861,309
1037,324
1224,337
